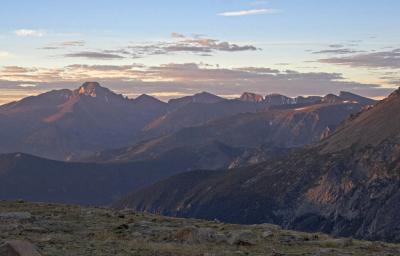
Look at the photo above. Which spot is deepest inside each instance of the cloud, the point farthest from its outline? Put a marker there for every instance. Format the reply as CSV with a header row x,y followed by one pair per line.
x,y
50,47
200,45
27,85
260,70
85,67
383,59
177,35
189,78
249,12
17,69
29,32
179,43
11,92
73,43
337,51
206,45
94,55
336,45
63,45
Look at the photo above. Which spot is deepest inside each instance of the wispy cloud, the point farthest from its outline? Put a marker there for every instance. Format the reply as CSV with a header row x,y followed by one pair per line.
x,y
190,44
177,35
336,45
383,59
29,32
249,12
73,43
195,44
63,45
27,85
94,55
337,51
178,43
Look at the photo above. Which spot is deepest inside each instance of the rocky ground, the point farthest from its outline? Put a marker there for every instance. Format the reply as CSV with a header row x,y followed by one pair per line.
x,y
73,230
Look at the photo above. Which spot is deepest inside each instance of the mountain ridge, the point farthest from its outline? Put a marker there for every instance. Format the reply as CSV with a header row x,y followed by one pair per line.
x,y
346,190
61,123
280,128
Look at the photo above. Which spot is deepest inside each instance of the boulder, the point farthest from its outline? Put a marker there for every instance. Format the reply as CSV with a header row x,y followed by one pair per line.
x,y
18,248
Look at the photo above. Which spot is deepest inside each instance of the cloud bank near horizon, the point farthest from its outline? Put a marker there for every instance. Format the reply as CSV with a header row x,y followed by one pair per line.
x,y
173,79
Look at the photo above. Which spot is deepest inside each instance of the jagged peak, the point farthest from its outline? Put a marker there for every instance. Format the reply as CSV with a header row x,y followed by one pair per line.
x,y
331,98
252,97
92,89
278,99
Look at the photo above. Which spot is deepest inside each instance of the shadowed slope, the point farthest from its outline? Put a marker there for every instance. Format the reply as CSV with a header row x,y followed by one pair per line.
x,y
347,185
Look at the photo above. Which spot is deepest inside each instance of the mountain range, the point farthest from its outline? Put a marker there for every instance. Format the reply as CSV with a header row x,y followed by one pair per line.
x,y
77,124
61,123
348,184
315,163
272,128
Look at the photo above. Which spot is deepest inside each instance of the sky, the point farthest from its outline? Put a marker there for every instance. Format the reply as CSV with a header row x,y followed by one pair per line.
x,y
174,48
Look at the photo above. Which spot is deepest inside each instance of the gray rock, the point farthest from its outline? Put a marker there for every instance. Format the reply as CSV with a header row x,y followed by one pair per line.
x,y
243,237
16,215
18,248
267,234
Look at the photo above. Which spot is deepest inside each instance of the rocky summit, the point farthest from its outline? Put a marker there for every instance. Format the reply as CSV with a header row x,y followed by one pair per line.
x,y
47,229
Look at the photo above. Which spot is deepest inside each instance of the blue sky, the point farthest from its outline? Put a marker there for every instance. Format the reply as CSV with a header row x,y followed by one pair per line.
x,y
172,48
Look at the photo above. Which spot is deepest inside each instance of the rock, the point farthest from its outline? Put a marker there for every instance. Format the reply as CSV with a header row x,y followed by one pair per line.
x,y
198,235
209,235
267,234
18,248
39,230
122,227
185,234
288,238
6,226
16,215
243,237
206,235
344,242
